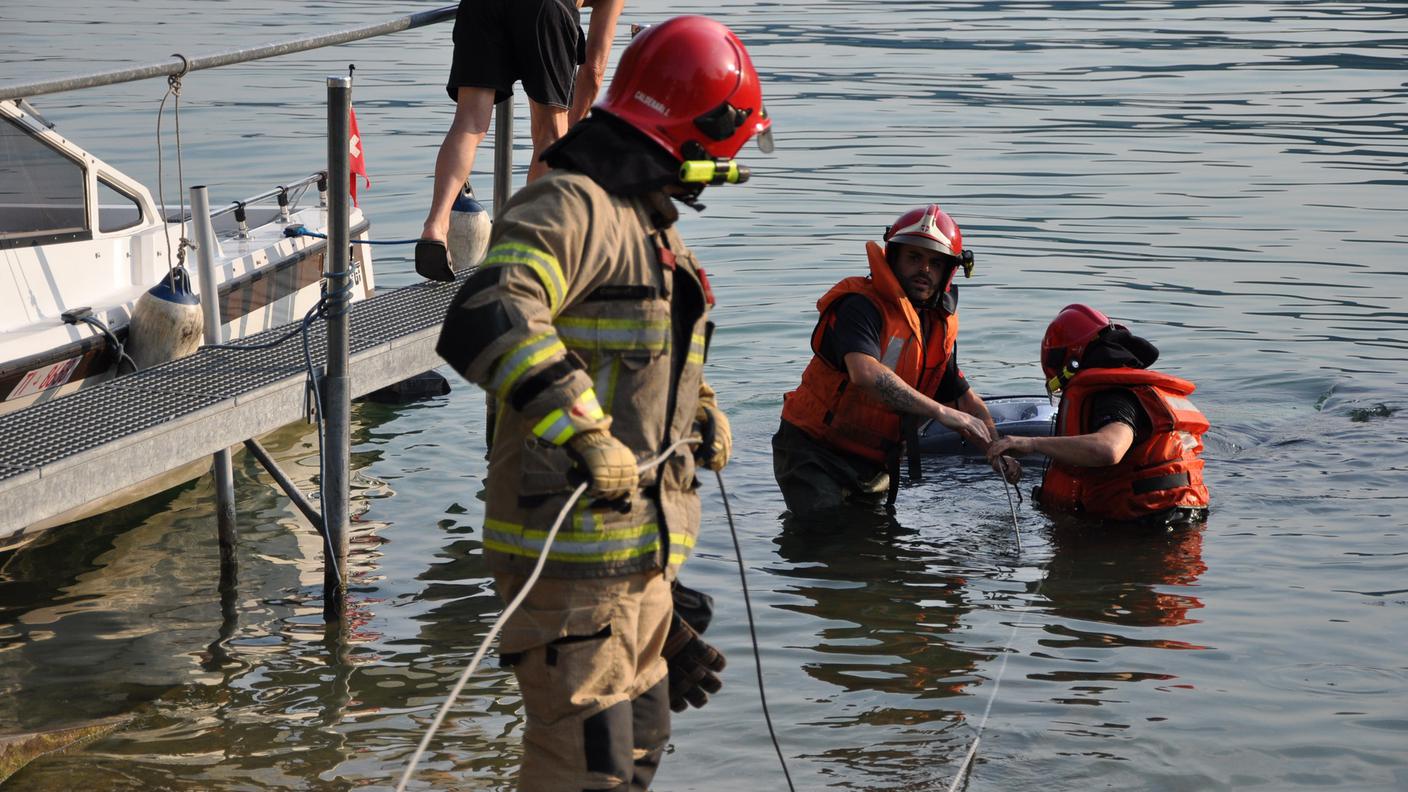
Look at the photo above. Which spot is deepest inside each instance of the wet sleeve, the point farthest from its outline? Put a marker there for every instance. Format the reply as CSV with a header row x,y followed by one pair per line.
x,y
499,330
954,384
855,327
1118,406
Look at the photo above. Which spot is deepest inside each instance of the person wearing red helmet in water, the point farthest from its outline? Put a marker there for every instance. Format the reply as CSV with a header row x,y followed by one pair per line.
x,y
589,324
1128,441
884,359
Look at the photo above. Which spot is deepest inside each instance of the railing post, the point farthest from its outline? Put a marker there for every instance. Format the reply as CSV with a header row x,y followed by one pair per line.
x,y
223,470
337,390
503,154
503,188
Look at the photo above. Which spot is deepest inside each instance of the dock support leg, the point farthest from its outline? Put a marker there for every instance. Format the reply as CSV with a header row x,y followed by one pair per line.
x,y
224,472
223,468
337,388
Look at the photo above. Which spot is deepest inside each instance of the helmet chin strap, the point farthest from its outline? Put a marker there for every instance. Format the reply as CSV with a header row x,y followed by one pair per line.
x,y
689,196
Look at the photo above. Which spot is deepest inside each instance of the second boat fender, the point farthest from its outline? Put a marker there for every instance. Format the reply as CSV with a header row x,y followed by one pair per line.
x,y
469,231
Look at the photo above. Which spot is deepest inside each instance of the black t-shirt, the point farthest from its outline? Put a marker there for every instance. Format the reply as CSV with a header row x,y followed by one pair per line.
x,y
1119,406
858,327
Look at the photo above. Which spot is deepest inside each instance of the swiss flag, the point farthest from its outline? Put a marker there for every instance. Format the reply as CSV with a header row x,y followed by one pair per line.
x,y
356,160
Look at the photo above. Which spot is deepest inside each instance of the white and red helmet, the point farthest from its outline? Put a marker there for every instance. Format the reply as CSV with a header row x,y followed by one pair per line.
x,y
930,228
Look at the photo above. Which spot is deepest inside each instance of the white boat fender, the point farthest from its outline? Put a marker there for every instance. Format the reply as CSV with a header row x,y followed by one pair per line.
x,y
167,322
469,230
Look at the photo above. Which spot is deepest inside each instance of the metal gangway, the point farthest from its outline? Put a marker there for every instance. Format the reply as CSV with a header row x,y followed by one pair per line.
x,y
61,454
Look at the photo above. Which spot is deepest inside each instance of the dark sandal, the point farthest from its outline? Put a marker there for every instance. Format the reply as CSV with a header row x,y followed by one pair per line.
x,y
433,260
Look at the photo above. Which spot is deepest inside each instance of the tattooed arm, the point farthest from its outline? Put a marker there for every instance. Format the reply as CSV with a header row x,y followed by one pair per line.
x,y
890,390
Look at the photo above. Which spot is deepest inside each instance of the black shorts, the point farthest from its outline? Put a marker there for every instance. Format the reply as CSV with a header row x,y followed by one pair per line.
x,y
498,42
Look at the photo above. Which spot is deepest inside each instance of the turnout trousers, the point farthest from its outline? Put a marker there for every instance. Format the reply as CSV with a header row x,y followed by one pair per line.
x,y
586,653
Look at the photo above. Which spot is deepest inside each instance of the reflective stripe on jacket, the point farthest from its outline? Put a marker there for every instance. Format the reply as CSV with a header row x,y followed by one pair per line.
x,y
586,314
1162,472
849,419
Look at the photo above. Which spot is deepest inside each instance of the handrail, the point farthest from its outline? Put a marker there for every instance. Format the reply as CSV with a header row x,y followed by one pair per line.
x,y
184,64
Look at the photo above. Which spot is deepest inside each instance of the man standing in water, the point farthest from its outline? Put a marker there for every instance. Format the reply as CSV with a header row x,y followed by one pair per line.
x,y
1128,441
884,359
588,322
498,42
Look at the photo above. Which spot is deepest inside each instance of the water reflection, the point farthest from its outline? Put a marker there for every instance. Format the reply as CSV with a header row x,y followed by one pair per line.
x,y
124,615
1139,582
885,604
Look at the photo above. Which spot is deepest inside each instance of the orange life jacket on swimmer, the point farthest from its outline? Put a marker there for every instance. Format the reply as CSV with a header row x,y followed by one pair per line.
x,y
1160,473
847,418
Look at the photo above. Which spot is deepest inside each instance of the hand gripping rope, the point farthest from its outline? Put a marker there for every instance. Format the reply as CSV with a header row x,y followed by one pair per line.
x,y
533,578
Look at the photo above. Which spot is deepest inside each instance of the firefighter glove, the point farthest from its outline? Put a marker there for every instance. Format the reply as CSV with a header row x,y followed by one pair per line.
x,y
607,461
714,431
694,666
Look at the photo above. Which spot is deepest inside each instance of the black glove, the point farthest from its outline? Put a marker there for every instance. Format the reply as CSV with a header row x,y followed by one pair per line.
x,y
694,666
695,607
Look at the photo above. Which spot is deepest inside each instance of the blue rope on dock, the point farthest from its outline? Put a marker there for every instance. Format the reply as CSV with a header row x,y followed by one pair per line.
x,y
300,230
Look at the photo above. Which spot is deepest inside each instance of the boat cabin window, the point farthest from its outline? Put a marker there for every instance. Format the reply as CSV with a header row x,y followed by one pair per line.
x,y
41,190
116,209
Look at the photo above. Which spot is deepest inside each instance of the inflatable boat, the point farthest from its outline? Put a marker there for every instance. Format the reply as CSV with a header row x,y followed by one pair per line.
x,y
1032,416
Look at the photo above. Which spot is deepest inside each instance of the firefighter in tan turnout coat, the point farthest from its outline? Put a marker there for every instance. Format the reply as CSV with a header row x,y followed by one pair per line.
x,y
588,324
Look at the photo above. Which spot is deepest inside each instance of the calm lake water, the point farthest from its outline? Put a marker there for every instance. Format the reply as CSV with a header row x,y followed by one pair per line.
x,y
1227,178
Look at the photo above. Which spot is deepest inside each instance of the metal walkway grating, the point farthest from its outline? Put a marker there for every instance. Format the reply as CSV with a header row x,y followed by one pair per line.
x,y
46,433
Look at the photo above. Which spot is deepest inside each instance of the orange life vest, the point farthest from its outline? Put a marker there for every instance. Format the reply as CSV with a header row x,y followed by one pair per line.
x,y
849,419
1162,472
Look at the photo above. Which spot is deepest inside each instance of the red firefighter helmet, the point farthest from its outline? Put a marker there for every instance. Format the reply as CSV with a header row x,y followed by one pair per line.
x,y
1065,341
928,227
689,85
931,228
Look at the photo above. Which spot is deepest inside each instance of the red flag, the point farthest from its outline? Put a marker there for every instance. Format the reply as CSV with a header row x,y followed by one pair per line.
x,y
356,160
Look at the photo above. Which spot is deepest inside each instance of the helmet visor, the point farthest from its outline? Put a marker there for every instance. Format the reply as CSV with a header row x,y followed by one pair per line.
x,y
765,141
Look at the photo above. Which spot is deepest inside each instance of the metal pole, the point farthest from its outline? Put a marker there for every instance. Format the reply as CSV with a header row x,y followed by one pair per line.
x,y
290,489
503,187
503,154
184,64
337,390
223,470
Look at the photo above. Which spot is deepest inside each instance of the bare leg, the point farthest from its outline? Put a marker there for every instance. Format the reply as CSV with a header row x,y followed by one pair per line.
x,y
473,110
548,124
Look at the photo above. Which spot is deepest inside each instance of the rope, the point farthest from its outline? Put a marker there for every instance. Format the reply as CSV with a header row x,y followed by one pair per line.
x,y
508,611
298,231
1007,488
316,312
752,632
173,89
965,766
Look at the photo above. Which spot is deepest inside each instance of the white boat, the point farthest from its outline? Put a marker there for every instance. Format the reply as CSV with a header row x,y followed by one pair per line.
x,y
80,242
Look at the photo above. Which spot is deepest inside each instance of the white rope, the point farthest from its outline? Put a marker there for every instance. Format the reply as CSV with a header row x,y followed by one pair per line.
x,y
965,766
513,606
